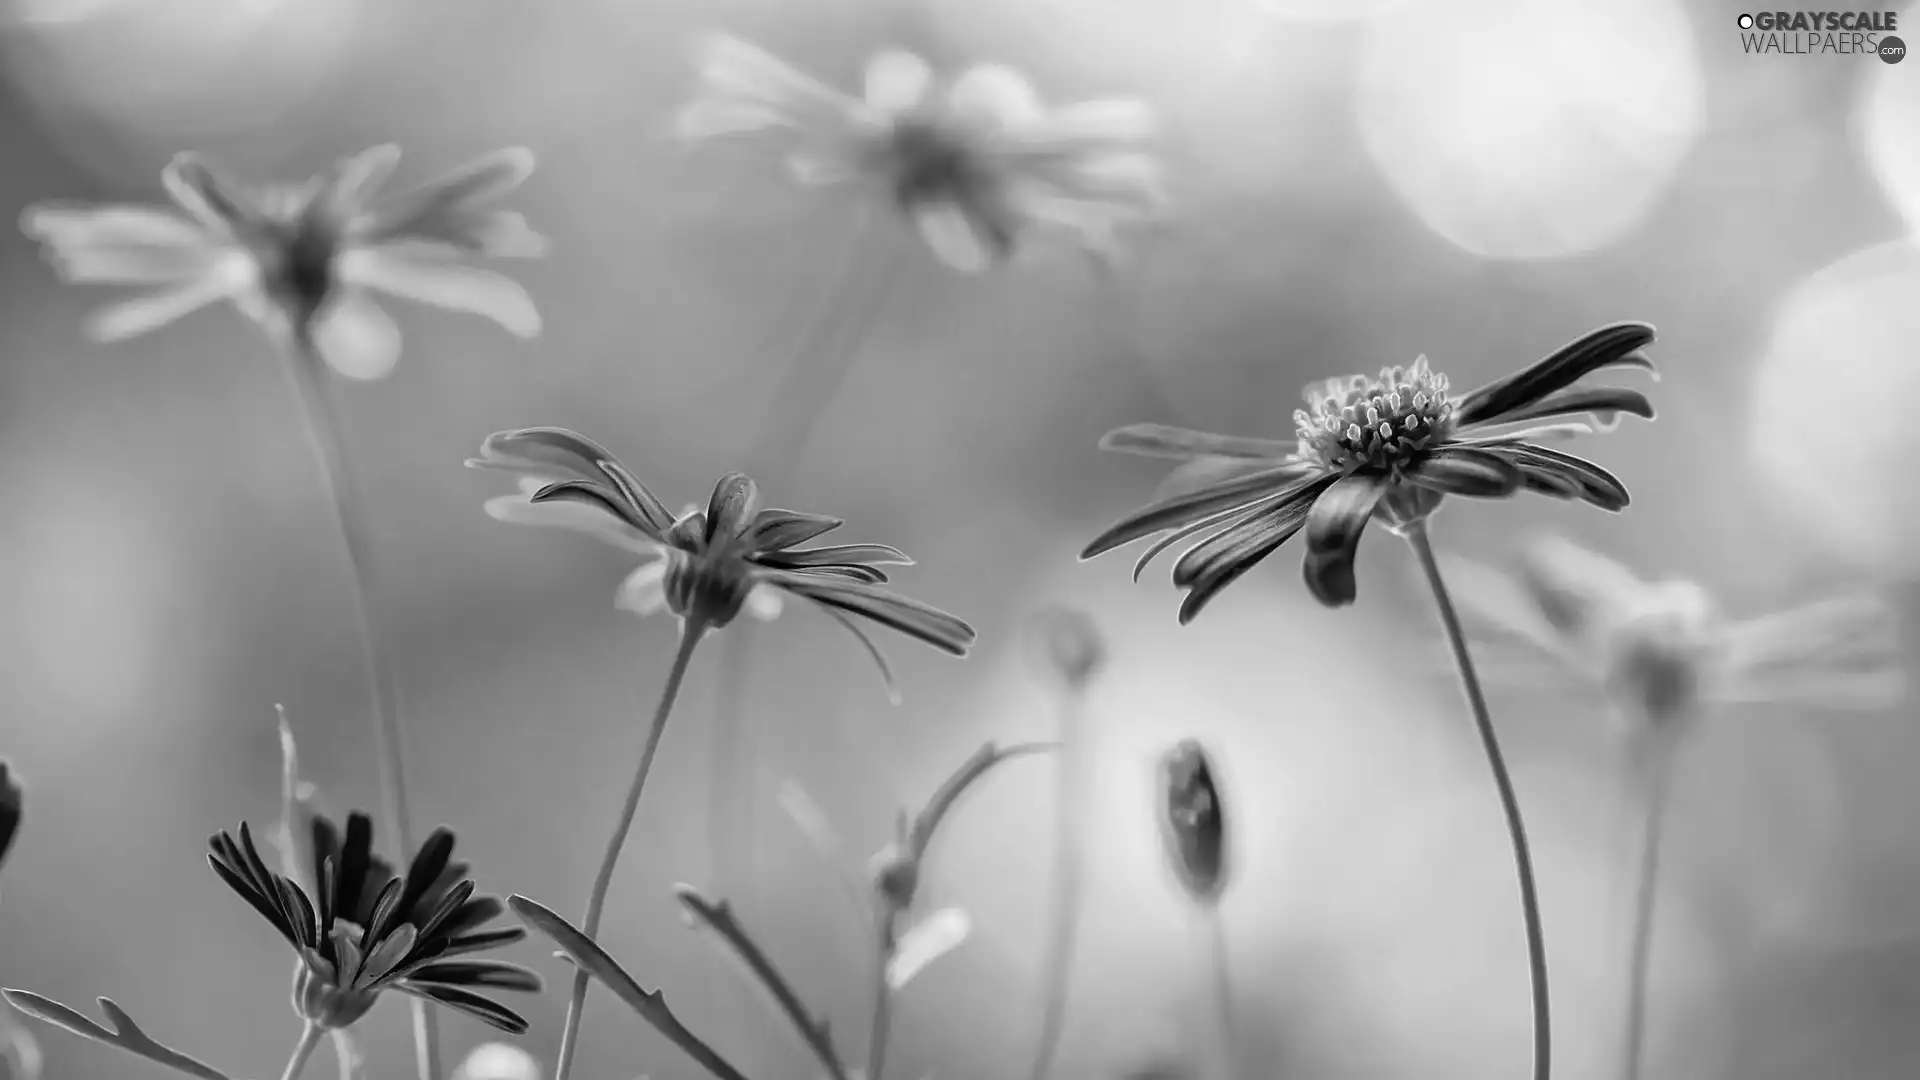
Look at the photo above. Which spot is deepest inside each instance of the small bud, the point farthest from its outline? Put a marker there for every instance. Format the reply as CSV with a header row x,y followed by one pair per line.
x,y
10,802
1071,645
896,876
1193,822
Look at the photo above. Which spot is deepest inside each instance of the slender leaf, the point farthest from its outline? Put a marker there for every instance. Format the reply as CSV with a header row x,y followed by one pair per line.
x,y
124,1034
949,792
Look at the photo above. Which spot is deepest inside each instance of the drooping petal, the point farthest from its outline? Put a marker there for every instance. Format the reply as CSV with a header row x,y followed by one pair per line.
x,y
777,530
356,337
1280,484
596,497
416,272
731,509
567,514
1164,440
1462,470
1221,560
838,554
222,278
1552,472
994,98
887,682
896,81
494,974
644,591
1608,347
1606,404
214,199
926,941
557,454
488,1012
929,624
1334,525
957,238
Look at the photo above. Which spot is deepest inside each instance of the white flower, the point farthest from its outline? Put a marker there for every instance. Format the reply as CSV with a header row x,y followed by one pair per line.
x,y
977,164
303,260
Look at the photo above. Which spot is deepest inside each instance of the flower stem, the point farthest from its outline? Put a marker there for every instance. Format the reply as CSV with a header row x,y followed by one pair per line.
x,y
345,1054
690,634
309,1038
336,475
1067,870
882,997
1416,536
1654,780
1220,968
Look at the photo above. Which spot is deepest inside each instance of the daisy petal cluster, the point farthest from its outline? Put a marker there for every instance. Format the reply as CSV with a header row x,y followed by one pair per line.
x,y
976,163
367,929
304,260
708,565
1391,446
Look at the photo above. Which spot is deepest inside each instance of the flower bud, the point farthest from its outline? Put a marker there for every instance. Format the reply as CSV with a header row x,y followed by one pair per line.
x,y
896,876
1070,644
1193,823
10,803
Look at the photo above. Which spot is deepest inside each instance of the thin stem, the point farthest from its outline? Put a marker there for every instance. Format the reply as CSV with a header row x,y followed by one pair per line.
x,y
1416,536
1067,870
383,684
882,997
1654,782
345,1054
1220,968
309,1038
690,634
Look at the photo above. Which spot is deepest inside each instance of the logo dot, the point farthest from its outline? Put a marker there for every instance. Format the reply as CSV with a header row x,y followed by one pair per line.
x,y
1746,22
1892,50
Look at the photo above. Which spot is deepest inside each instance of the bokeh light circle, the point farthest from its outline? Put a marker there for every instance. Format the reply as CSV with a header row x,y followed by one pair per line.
x,y
1844,341
1520,130
1890,129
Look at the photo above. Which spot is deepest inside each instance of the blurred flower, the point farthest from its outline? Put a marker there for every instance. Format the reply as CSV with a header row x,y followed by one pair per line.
x,y
10,805
1390,447
707,566
20,1057
368,930
1193,821
977,164
498,1061
1663,652
1071,644
300,259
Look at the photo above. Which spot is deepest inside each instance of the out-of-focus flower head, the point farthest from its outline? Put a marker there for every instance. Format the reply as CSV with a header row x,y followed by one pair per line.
x,y
1070,644
303,260
367,929
977,164
1390,447
11,801
1662,652
709,565
498,1061
1193,822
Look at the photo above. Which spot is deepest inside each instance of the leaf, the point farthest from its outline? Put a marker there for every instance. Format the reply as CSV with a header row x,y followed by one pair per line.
x,y
719,918
926,941
124,1034
651,1005
949,792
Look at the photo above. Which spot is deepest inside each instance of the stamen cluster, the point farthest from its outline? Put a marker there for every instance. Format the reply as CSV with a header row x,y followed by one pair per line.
x,y
1374,422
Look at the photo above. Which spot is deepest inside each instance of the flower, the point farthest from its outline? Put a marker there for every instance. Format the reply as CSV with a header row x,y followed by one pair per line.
x,y
10,804
1664,653
301,259
1193,821
367,930
1390,447
708,566
976,164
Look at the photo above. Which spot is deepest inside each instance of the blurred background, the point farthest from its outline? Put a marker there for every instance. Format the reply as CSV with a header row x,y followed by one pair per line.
x,y
1355,183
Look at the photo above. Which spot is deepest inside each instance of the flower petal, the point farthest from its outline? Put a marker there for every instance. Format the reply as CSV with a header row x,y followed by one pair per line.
x,y
1207,569
222,279
994,97
1279,484
1164,440
354,181
203,191
644,591
434,210
580,517
777,530
897,81
1576,590
488,1012
417,273
838,554
494,974
1466,471
1334,526
1840,651
1610,346
1605,404
929,624
597,497
732,508
356,337
1554,473
957,238
926,941
1109,123
730,67
119,244
887,682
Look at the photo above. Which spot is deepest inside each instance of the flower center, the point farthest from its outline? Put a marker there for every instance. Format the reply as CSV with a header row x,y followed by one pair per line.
x,y
930,162
1372,422
296,253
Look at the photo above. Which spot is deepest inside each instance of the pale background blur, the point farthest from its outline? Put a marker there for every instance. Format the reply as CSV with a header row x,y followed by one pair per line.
x,y
1477,180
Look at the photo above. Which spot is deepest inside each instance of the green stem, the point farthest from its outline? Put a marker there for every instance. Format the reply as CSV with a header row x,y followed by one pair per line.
x,y
345,1054
690,634
309,1038
1068,868
882,997
383,684
1416,536
1220,965
1655,779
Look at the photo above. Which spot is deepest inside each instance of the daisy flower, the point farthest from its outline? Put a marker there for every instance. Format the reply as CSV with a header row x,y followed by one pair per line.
x,y
303,260
367,929
975,163
1391,447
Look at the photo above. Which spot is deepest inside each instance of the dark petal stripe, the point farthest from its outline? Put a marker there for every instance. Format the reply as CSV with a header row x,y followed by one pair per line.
x,y
860,554
1596,485
1162,440
489,1012
598,497
948,633
428,864
1479,474
268,909
777,530
1334,526
1226,565
1604,403
1609,346
1280,484
732,508
495,974
873,652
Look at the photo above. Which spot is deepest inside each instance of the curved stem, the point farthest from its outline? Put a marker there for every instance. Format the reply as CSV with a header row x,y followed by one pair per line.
x,y
1068,867
882,998
690,634
1220,965
309,1038
1416,535
1655,784
383,689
